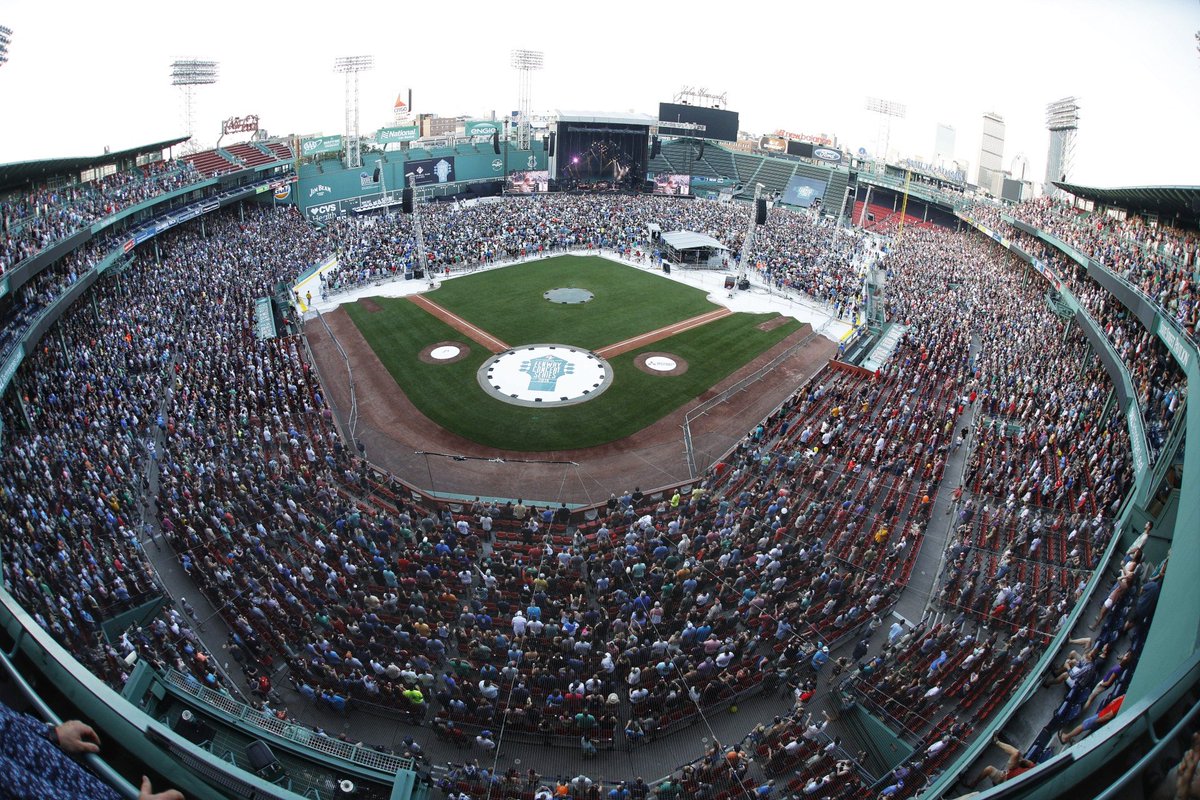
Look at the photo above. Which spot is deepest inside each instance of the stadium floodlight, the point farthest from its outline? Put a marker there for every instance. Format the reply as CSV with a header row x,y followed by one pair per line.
x,y
1062,120
5,41
887,111
352,65
887,107
190,73
1063,114
525,62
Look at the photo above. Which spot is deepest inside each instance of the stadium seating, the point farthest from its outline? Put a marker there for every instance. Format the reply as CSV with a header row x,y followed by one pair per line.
x,y
330,571
211,162
250,155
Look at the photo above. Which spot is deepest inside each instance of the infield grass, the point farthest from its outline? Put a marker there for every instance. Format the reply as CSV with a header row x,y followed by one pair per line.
x,y
508,302
450,395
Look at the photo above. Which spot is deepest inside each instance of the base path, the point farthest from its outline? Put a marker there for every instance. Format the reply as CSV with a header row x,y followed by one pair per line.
x,y
662,333
459,324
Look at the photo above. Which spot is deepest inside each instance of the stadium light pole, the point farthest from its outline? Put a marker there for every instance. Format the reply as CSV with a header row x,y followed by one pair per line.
x,y
5,41
190,73
525,62
352,65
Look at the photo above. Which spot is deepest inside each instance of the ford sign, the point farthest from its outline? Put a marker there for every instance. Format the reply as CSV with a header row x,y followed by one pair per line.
x,y
826,154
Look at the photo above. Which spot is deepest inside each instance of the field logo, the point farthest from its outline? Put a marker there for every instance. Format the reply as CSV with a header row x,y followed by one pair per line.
x,y
544,372
544,375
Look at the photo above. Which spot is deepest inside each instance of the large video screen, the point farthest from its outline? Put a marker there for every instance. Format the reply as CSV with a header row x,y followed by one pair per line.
x,y
600,156
675,185
430,170
529,181
803,191
718,123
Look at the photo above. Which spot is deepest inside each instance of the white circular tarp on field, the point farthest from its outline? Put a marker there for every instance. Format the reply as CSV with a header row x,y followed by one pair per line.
x,y
545,375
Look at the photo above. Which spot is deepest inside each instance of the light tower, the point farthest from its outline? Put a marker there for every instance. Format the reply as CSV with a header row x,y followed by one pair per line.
x,y
524,62
190,73
887,111
5,41
1062,119
352,65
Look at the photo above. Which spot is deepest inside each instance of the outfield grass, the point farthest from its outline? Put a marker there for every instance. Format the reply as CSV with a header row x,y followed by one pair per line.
x,y
450,395
508,302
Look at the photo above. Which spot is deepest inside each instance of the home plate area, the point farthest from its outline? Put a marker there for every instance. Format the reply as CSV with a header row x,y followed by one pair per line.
x,y
545,375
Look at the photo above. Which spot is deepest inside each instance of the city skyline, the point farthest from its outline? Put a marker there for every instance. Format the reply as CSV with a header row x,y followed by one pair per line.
x,y
1132,67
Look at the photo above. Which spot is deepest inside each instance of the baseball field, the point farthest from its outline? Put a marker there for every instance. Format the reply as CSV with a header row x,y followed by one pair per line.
x,y
492,310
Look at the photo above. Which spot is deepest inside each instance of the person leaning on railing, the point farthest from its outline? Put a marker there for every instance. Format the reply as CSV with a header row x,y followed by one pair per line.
x,y
36,762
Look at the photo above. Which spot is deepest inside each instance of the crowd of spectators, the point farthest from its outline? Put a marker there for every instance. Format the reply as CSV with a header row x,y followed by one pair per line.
x,y
594,634
1159,382
20,309
793,251
73,486
1157,259
34,220
1047,473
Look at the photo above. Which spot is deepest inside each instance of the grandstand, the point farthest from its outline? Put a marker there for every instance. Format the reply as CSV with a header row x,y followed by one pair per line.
x,y
969,512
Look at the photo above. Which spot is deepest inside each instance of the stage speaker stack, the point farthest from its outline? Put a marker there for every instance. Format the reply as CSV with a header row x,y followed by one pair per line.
x,y
553,138
648,187
655,147
496,142
406,201
760,212
700,150
376,178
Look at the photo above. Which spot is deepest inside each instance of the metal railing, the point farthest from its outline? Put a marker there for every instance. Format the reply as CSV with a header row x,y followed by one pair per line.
x,y
352,419
737,388
389,763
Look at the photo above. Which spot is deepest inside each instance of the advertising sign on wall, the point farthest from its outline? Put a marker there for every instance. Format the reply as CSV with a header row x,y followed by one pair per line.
x,y
318,145
827,154
481,127
404,133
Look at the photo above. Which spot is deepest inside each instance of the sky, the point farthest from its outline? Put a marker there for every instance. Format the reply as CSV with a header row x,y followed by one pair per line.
x,y
85,75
